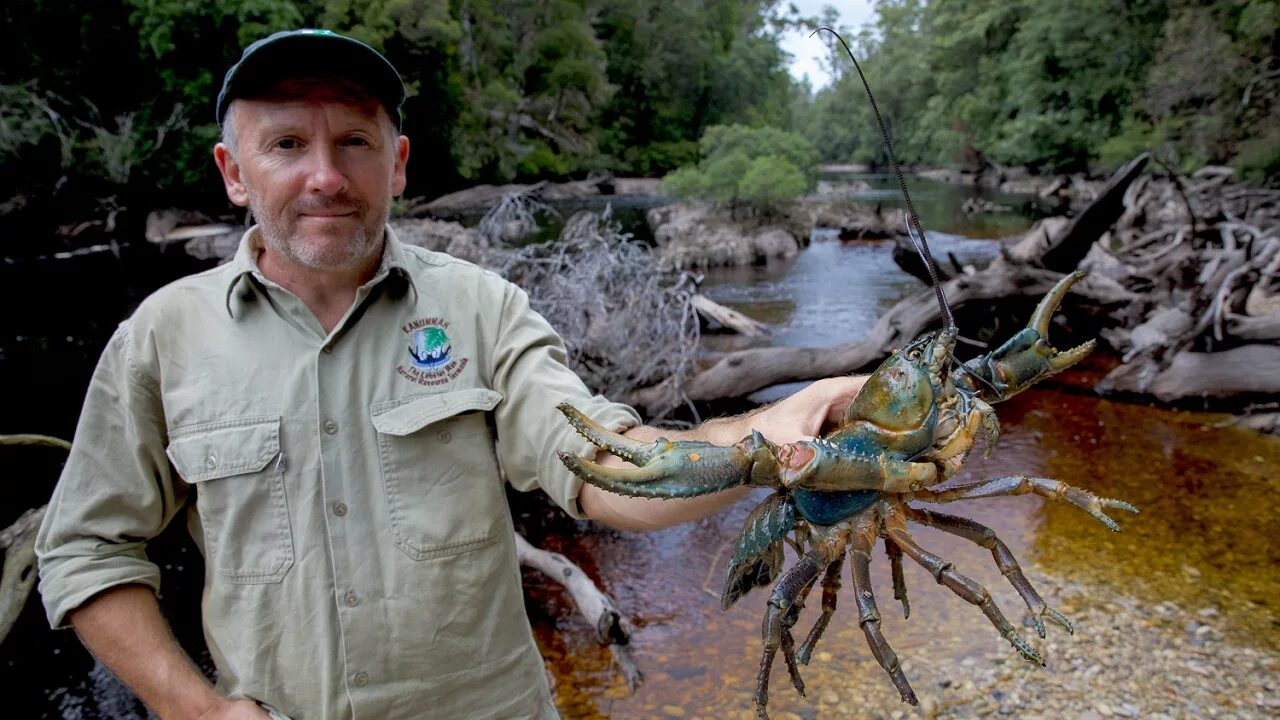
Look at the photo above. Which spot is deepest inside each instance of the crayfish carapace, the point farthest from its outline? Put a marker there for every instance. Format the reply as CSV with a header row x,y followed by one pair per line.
x,y
909,430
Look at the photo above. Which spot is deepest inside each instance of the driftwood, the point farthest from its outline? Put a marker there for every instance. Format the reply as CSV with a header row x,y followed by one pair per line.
x,y
1245,370
18,541
728,317
1085,229
19,575
1205,257
613,629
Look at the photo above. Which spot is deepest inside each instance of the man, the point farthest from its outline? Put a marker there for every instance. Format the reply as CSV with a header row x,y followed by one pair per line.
x,y
324,409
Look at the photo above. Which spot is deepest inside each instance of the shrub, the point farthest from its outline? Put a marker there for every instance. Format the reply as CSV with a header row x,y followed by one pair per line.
x,y
757,166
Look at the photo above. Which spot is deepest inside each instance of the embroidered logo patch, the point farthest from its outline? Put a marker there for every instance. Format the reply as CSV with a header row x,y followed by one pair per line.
x,y
431,357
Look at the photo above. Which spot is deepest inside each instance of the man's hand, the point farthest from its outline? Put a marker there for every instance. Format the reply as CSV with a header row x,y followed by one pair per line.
x,y
808,413
235,710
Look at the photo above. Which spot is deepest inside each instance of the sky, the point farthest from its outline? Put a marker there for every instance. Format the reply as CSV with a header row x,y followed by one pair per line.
x,y
806,52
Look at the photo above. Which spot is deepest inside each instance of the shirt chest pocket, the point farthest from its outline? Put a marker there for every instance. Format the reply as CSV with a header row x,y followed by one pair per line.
x,y
440,473
238,472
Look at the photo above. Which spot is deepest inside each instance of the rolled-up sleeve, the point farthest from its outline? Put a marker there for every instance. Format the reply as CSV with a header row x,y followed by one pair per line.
x,y
116,491
531,371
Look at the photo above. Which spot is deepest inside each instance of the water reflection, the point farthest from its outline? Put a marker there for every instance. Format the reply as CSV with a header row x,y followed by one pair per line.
x,y
831,293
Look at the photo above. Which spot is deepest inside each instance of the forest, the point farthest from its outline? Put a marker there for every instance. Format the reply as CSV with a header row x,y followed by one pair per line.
x,y
109,104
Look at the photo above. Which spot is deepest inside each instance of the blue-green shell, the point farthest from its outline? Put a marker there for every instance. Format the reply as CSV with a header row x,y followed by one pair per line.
x,y
757,555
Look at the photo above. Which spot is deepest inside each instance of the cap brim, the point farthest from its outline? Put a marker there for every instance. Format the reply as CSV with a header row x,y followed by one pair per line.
x,y
308,55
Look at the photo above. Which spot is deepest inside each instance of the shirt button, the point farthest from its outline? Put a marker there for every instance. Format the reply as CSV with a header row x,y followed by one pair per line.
x,y
351,599
327,349
360,679
330,427
445,436
211,462
340,509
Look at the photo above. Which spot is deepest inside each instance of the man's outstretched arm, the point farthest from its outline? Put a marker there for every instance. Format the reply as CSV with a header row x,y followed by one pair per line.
x,y
124,629
803,415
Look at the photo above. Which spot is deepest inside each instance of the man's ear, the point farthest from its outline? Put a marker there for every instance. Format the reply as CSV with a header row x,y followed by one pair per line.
x,y
402,162
237,193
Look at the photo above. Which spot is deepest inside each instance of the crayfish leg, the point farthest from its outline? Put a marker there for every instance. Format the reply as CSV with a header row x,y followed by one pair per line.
x,y
899,581
1021,485
983,536
968,590
785,594
830,588
868,615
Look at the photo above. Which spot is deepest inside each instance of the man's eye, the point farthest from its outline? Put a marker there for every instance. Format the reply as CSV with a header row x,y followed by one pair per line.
x,y
357,141
287,144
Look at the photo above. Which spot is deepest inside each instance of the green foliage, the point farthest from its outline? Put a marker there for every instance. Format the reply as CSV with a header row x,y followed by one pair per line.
x,y
1258,161
771,180
1136,137
1056,86
758,166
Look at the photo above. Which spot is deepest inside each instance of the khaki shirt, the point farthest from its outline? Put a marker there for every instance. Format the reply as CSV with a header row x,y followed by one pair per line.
x,y
345,489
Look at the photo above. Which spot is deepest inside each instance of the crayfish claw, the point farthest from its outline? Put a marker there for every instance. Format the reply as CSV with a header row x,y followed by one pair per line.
x,y
633,451
1060,619
664,468
1094,504
1024,648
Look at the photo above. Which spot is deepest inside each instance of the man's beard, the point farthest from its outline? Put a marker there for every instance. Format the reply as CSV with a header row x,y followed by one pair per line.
x,y
283,237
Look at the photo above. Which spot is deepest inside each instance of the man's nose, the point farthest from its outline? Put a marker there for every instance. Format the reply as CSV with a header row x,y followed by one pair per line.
x,y
325,175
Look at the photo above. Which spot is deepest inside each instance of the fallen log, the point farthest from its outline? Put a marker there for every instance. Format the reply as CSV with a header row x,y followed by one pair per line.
x,y
18,541
596,607
728,317
1246,370
1085,229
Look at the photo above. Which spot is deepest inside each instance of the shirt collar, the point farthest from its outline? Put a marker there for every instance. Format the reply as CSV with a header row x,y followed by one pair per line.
x,y
245,263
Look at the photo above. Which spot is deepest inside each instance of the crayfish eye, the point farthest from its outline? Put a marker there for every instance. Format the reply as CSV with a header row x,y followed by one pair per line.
x,y
915,354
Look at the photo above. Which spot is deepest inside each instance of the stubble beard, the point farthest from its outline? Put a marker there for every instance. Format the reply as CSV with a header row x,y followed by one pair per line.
x,y
284,238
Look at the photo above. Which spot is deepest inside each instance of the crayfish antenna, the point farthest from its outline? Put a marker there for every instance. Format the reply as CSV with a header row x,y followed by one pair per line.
x,y
914,230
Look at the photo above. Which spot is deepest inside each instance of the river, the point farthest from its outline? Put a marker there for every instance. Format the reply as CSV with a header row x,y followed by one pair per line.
x,y
1204,539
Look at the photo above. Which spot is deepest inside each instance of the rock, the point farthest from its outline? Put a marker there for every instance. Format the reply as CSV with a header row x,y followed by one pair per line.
x,y
954,177
672,711
162,223
441,236
485,196
693,235
829,697
636,186
843,188
852,221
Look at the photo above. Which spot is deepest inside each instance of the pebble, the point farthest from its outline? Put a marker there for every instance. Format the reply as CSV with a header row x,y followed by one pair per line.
x,y
829,697
673,711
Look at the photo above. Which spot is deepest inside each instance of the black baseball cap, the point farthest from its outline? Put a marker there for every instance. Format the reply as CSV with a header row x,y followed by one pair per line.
x,y
307,52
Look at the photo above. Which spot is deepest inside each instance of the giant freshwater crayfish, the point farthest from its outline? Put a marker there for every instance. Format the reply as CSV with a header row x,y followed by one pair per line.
x,y
910,429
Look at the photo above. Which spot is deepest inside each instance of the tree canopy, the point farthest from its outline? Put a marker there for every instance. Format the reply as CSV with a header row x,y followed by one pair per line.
x,y
114,98
1061,86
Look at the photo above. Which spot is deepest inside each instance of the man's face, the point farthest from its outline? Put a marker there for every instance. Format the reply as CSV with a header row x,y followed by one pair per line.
x,y
318,165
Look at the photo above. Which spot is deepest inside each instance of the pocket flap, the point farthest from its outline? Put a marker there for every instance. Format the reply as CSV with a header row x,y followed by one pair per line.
x,y
403,417
228,447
